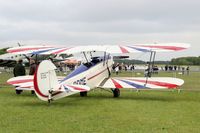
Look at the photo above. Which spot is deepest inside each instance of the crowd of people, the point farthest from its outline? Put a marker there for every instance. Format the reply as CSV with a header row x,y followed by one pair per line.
x,y
117,67
181,69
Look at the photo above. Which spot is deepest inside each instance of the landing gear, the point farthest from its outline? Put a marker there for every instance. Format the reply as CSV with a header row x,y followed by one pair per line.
x,y
116,92
50,96
83,94
49,101
18,91
32,92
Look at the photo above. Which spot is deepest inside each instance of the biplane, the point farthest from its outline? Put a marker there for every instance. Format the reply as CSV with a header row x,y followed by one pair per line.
x,y
95,72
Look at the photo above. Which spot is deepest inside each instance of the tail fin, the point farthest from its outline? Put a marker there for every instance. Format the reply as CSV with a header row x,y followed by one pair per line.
x,y
47,86
45,80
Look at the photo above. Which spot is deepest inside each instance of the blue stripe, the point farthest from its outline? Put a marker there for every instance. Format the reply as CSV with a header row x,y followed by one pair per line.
x,y
79,70
134,85
43,51
65,88
82,68
139,49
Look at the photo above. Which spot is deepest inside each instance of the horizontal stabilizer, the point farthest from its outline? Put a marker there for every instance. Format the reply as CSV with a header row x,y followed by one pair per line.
x,y
25,82
72,88
22,82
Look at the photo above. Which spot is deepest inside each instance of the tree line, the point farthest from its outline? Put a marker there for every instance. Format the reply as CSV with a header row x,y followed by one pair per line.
x,y
174,61
186,61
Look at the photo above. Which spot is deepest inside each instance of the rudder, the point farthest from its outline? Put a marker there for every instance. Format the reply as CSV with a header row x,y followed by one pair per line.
x,y
45,80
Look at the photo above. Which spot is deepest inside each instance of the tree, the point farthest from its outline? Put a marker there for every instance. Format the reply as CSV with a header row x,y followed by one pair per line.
x,y
3,51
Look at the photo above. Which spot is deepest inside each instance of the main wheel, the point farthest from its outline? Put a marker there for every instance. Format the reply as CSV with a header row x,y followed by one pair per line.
x,y
18,91
83,94
116,92
32,92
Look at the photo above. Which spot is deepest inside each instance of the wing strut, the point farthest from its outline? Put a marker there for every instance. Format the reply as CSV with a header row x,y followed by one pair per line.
x,y
85,57
150,65
109,73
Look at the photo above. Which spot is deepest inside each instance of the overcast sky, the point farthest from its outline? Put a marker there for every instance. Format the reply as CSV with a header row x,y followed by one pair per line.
x,y
82,22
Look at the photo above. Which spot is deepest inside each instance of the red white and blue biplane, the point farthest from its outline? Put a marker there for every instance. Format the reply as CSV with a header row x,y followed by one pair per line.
x,y
94,73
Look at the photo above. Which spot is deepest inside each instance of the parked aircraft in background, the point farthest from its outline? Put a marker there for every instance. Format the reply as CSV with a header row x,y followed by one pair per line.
x,y
10,59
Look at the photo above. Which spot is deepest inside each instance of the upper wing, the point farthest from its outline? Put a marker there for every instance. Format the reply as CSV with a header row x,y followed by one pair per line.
x,y
105,48
142,83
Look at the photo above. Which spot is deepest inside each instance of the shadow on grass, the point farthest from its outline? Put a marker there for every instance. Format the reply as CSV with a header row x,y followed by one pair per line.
x,y
28,100
139,98
13,94
65,102
147,96
82,101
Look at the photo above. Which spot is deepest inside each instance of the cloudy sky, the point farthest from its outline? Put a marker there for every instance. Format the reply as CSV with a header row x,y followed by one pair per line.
x,y
82,22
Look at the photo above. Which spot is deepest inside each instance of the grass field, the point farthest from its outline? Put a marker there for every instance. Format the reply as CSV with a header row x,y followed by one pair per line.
x,y
144,111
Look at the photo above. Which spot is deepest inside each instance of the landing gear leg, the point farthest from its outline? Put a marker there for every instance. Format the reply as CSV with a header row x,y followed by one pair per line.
x,y
116,92
83,94
50,96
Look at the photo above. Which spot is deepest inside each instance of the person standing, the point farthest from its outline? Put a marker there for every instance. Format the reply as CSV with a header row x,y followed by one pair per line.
x,y
117,69
19,70
188,70
33,67
183,70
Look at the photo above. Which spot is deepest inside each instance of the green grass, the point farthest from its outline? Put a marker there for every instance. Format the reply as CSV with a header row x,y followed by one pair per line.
x,y
145,111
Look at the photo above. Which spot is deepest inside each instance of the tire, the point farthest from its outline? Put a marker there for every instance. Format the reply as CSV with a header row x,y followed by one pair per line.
x,y
18,92
83,94
116,92
32,92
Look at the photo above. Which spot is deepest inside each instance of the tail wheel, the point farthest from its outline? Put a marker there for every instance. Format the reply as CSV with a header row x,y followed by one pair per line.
x,y
116,92
83,94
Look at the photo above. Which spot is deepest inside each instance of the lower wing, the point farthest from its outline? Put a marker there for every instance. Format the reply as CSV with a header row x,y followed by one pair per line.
x,y
142,83
22,82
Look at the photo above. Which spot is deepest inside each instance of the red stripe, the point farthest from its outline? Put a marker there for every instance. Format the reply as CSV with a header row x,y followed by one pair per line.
x,y
117,85
165,47
59,51
36,86
123,50
163,84
98,73
20,81
77,88
25,87
25,49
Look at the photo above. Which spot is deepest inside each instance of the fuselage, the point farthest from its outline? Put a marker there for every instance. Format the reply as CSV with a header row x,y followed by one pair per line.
x,y
91,73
